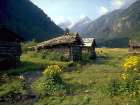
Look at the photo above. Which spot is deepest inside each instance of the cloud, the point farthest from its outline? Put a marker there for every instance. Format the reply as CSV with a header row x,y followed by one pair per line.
x,y
59,19
117,4
63,19
103,10
82,16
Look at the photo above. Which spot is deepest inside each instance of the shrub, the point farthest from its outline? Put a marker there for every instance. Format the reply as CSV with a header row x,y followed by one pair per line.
x,y
52,55
138,100
25,46
130,87
114,87
49,86
50,83
131,67
87,57
118,87
128,80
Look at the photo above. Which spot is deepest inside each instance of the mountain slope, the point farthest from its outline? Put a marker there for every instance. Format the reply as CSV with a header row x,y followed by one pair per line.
x,y
117,27
25,18
66,24
80,25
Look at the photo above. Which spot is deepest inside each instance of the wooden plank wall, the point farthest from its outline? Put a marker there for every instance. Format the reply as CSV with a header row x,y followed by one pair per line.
x,y
10,48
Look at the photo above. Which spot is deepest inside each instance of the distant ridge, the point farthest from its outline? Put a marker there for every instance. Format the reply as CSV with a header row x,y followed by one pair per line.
x,y
116,28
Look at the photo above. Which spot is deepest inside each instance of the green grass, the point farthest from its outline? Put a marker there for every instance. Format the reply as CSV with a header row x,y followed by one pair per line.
x,y
12,86
87,82
33,62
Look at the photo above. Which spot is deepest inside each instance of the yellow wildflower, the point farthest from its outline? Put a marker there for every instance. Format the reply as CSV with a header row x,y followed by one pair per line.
x,y
52,70
124,76
131,63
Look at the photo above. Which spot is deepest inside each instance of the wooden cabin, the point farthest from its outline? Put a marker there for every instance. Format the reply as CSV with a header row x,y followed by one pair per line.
x,y
89,46
69,43
134,47
10,48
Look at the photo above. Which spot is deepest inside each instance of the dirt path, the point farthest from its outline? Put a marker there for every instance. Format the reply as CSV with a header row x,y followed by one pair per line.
x,y
30,77
28,99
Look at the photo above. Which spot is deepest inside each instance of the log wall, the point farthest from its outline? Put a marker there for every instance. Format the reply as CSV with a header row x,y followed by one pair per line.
x,y
9,54
11,48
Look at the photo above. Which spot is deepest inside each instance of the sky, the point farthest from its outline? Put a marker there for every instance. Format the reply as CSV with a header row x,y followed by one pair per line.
x,y
73,10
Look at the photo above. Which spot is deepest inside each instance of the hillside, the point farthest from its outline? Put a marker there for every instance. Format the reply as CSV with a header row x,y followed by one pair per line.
x,y
25,18
116,28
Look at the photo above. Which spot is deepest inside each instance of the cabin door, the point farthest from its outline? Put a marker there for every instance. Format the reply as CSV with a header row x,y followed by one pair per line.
x,y
76,53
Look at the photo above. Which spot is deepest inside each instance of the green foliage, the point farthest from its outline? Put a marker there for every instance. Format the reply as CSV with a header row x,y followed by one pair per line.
x,y
33,61
118,87
26,45
76,100
14,86
130,87
137,100
86,57
52,55
88,82
25,66
127,83
50,83
49,86
114,87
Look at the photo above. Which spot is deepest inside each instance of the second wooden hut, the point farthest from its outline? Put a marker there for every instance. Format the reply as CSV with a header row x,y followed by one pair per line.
x,y
89,46
134,47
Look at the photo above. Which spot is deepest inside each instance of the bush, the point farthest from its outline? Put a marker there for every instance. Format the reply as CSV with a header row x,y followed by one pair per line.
x,y
114,87
50,83
128,80
118,87
138,100
130,87
87,57
25,46
52,55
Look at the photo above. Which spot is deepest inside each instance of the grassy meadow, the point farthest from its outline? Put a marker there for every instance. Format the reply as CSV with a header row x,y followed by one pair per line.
x,y
87,82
